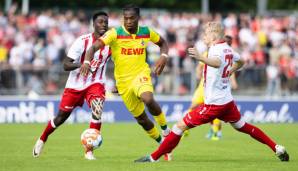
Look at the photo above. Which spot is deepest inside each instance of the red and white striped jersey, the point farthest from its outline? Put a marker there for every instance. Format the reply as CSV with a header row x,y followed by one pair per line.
x,y
77,52
217,87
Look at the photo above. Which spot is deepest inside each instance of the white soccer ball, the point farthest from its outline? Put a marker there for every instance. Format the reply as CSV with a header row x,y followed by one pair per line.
x,y
91,139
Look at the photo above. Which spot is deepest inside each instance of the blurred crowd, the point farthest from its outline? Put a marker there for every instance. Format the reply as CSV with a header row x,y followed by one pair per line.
x,y
32,48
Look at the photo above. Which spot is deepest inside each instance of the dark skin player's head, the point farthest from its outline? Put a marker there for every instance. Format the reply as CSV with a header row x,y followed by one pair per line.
x,y
131,16
100,23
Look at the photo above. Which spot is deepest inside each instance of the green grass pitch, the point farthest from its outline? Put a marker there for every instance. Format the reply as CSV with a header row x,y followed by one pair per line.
x,y
124,142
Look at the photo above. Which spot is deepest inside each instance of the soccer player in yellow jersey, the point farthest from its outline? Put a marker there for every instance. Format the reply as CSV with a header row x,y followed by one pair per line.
x,y
128,45
198,97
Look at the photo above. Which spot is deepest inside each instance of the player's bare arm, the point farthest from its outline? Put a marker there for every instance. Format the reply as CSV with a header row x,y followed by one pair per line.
x,y
162,61
89,55
236,65
211,61
69,65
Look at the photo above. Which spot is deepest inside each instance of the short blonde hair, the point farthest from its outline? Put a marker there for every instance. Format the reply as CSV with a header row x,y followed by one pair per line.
x,y
213,31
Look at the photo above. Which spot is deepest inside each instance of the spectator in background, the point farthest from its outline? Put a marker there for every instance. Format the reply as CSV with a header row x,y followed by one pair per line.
x,y
3,54
273,81
39,50
47,34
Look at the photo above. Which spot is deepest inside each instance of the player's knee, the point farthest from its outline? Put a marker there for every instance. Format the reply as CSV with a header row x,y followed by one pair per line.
x,y
178,129
59,119
147,99
181,125
239,124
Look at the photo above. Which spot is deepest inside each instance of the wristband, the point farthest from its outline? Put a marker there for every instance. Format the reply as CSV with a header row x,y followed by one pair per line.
x,y
87,62
165,55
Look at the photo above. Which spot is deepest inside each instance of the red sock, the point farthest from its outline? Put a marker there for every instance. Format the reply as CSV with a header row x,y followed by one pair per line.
x,y
258,134
48,130
95,124
168,144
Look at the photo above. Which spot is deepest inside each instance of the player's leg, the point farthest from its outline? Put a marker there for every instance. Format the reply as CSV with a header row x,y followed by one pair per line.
x,y
95,97
69,101
50,128
219,133
171,141
137,108
260,136
96,106
54,123
145,93
155,110
149,127
233,116
216,129
143,89
96,109
192,119
168,144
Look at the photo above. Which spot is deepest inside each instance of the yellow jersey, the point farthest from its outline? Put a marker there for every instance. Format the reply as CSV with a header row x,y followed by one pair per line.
x,y
129,51
198,96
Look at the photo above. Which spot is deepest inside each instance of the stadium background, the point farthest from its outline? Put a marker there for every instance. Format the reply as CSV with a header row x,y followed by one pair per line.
x,y
34,36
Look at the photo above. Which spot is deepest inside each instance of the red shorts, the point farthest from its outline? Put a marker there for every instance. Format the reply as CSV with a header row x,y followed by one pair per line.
x,y
207,113
72,98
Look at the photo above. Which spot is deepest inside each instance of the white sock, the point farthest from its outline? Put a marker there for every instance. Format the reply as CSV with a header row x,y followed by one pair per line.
x,y
177,130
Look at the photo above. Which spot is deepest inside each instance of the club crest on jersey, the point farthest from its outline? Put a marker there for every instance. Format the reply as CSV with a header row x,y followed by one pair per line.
x,y
142,42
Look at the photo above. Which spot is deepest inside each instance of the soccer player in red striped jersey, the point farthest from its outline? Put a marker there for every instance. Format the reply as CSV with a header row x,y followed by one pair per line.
x,y
79,88
221,62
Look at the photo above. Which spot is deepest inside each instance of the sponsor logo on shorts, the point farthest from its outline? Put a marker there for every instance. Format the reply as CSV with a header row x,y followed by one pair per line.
x,y
202,111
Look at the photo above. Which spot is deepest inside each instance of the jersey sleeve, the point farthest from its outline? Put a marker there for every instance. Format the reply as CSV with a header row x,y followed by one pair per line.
x,y
76,49
154,37
109,37
215,52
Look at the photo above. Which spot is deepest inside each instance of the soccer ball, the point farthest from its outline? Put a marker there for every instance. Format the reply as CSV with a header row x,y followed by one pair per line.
x,y
91,139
